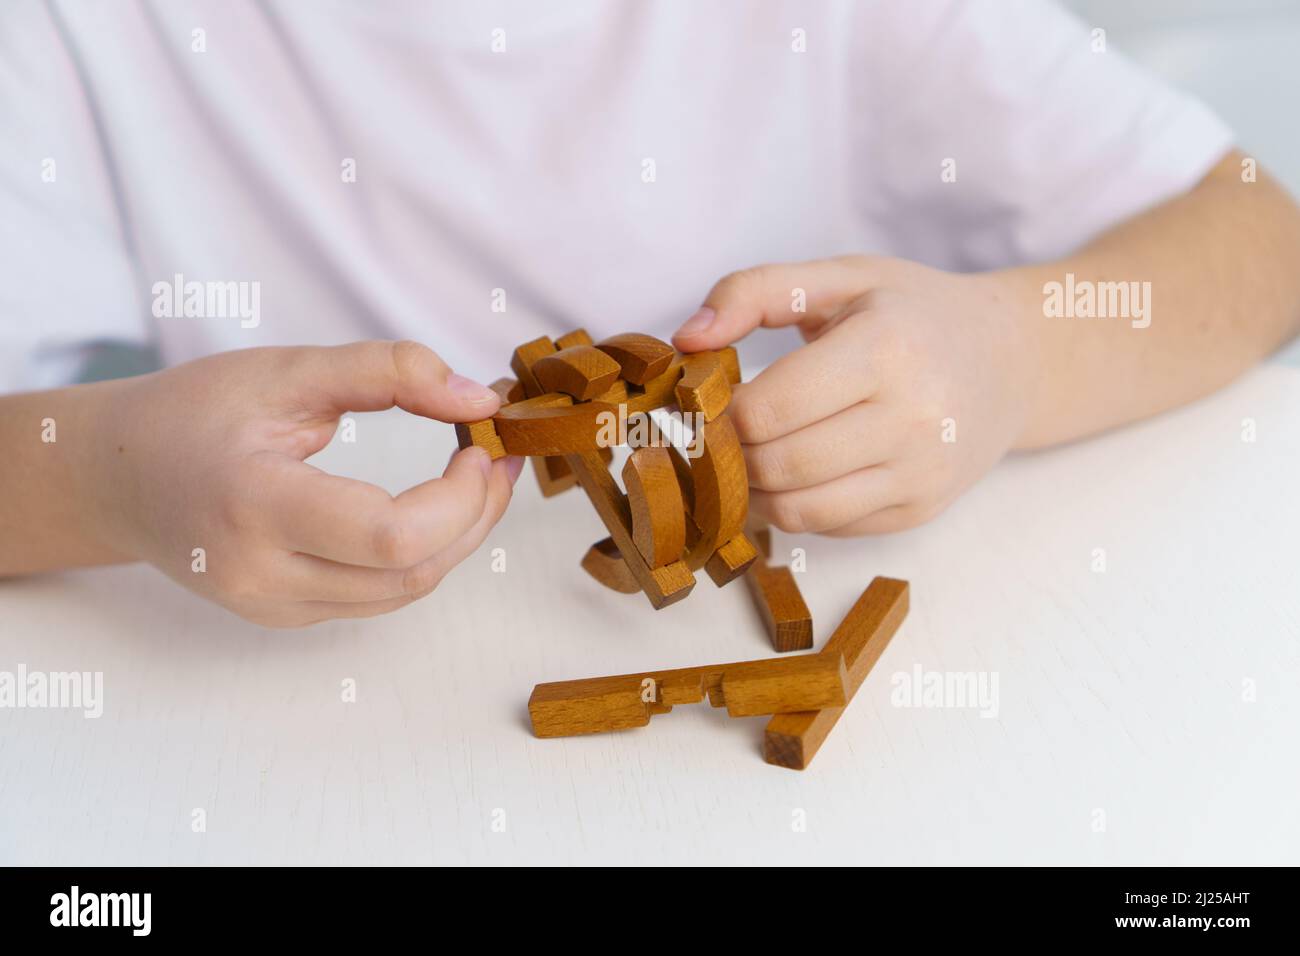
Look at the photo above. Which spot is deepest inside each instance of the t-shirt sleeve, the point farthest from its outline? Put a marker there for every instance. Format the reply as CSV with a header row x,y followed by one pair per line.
x,y
1000,132
69,281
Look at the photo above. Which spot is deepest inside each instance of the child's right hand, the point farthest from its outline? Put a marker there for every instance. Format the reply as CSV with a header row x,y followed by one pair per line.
x,y
210,455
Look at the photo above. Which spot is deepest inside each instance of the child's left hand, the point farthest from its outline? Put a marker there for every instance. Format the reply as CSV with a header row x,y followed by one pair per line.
x,y
914,382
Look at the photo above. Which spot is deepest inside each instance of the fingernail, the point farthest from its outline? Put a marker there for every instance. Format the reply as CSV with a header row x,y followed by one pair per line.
x,y
514,465
697,323
470,390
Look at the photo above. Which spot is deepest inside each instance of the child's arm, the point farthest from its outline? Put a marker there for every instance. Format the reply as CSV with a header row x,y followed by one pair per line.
x,y
915,382
210,455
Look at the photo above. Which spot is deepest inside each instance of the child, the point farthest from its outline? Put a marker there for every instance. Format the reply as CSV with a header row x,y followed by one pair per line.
x,y
1072,246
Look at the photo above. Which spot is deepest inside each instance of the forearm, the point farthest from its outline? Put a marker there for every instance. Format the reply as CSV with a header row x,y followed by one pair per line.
x,y
1223,263
53,443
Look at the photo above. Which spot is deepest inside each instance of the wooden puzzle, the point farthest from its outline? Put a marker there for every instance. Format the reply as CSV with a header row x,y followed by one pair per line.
x,y
683,509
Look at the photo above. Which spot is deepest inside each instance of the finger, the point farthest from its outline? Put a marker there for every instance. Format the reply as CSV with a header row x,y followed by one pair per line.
x,y
353,522
830,505
885,521
813,382
772,296
865,434
306,577
314,612
500,491
372,376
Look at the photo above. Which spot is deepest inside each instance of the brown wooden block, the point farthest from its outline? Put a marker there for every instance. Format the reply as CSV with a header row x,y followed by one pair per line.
x,y
730,364
582,371
746,689
752,692
482,433
641,357
658,391
569,339
553,475
703,387
604,563
655,499
662,586
546,426
731,560
508,390
792,740
781,606
721,488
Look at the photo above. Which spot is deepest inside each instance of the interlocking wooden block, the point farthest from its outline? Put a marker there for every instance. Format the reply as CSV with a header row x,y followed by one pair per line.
x,y
604,563
720,486
570,339
731,560
655,499
482,433
746,689
552,425
703,387
792,740
581,371
641,357
781,606
662,586
508,390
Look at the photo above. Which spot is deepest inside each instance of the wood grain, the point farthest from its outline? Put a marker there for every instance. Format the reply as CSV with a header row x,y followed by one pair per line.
x,y
746,689
703,387
641,357
720,485
581,371
731,560
781,606
792,740
662,586
553,474
482,433
655,499
552,425
605,563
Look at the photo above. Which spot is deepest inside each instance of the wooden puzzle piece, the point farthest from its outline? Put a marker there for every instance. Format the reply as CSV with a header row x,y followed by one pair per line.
x,y
482,433
641,357
720,486
662,586
604,563
552,425
776,595
731,560
581,371
792,740
703,387
745,689
553,473
784,612
570,339
655,499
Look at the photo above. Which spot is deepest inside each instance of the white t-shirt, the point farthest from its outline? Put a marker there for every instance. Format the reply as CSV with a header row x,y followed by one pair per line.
x,y
574,163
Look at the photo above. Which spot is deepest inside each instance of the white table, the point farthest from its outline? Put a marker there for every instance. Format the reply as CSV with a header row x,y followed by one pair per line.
x,y
1122,734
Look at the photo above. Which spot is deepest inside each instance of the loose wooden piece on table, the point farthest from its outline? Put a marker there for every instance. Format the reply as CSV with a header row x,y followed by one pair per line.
x,y
792,740
746,689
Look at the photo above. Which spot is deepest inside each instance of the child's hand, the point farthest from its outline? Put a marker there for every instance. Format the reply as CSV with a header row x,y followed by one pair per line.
x,y
913,383
210,455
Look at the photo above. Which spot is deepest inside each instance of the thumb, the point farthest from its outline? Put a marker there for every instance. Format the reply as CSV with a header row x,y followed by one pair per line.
x,y
773,296
373,376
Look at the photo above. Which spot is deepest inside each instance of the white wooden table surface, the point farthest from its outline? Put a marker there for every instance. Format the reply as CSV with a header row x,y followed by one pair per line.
x,y
1126,731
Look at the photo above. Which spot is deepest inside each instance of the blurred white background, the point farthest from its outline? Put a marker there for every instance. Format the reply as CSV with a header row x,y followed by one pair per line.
x,y
1242,57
